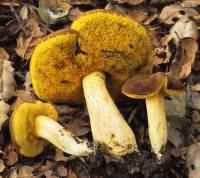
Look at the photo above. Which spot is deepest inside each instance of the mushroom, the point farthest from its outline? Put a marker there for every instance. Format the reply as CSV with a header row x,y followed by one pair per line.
x,y
97,56
33,124
153,88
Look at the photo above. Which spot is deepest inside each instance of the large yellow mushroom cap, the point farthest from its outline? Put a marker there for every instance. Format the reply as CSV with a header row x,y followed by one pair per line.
x,y
22,126
105,41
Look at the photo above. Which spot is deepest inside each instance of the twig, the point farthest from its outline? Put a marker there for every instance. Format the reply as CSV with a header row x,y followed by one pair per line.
x,y
19,20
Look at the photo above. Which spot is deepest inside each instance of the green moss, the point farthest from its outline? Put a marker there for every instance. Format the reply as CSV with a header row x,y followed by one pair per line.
x,y
109,42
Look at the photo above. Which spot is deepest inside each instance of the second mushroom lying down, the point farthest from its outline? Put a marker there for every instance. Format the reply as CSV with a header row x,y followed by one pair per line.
x,y
153,88
33,124
102,51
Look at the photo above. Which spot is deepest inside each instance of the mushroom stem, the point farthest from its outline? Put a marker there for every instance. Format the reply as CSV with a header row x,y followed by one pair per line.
x,y
157,122
107,124
50,130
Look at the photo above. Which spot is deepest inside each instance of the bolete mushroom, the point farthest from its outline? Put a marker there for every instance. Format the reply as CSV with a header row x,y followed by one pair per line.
x,y
33,124
103,45
153,88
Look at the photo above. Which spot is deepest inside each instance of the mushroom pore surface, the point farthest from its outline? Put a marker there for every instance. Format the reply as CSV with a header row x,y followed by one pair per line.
x,y
103,41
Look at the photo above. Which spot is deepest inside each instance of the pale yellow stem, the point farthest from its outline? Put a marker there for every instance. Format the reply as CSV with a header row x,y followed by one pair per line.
x,y
157,122
107,123
52,131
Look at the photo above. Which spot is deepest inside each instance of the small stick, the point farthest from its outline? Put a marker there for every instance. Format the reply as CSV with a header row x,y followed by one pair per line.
x,y
19,20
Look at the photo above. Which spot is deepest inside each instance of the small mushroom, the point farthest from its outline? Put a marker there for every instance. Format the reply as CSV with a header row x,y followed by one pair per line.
x,y
33,124
153,88
93,60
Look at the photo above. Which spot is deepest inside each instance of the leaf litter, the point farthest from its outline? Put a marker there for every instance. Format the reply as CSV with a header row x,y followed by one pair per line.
x,y
173,27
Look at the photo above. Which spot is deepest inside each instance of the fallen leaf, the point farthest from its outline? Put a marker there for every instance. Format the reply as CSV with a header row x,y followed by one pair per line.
x,y
2,166
7,81
26,45
174,135
22,96
74,13
25,171
196,66
193,160
11,155
71,174
10,2
24,12
62,171
66,110
4,108
182,29
132,2
3,54
61,157
184,58
196,87
13,174
52,10
172,13
28,82
10,29
79,127
190,3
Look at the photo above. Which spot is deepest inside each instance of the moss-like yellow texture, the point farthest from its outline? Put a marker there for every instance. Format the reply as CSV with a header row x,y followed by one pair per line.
x,y
105,41
22,126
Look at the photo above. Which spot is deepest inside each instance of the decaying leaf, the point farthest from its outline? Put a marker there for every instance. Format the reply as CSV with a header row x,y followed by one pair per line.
x,y
62,171
52,10
74,13
182,29
4,108
28,82
2,166
79,127
196,87
132,2
190,3
26,45
184,59
25,171
193,160
61,157
11,155
7,81
172,13
22,96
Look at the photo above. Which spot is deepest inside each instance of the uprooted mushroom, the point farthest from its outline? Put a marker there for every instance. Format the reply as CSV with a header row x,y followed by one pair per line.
x,y
33,124
102,46
153,88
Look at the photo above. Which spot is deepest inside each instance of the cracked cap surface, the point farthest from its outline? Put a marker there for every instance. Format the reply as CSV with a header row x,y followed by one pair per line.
x,y
104,41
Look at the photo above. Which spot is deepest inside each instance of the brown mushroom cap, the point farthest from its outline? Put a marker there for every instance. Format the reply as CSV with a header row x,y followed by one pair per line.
x,y
105,41
22,126
142,86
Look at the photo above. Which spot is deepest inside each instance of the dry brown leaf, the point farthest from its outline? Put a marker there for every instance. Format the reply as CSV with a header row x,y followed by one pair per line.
x,y
71,174
184,59
117,8
25,171
172,13
26,45
7,81
62,171
11,155
52,10
190,3
28,82
132,2
10,2
13,174
24,12
3,54
22,96
4,108
196,87
2,166
61,157
79,127
193,160
74,13
10,29
182,29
